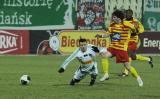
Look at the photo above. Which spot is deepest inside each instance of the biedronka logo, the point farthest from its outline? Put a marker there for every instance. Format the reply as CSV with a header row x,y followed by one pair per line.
x,y
8,42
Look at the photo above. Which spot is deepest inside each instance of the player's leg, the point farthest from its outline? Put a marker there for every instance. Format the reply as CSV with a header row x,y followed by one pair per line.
x,y
93,79
94,73
125,71
134,73
151,62
122,57
73,81
79,75
143,58
132,56
132,46
105,65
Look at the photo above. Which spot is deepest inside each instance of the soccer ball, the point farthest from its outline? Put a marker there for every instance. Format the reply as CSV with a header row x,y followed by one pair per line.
x,y
25,79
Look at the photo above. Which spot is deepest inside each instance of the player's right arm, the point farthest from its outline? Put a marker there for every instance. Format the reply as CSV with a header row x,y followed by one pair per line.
x,y
67,61
107,33
104,35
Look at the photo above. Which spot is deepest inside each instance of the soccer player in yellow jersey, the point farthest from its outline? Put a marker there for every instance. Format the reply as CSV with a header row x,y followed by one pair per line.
x,y
134,40
120,32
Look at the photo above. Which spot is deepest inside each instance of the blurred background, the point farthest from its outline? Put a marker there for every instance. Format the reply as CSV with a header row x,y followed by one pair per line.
x,y
54,26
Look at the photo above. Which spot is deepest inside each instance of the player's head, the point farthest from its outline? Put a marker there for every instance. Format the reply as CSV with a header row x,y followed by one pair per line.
x,y
129,14
83,44
117,16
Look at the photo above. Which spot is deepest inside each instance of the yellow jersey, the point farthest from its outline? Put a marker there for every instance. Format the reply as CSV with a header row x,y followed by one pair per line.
x,y
120,34
139,27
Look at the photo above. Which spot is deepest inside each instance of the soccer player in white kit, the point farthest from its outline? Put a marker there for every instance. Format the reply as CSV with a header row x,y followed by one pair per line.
x,y
86,55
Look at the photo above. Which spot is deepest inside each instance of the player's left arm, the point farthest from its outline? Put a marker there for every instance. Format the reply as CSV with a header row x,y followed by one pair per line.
x,y
106,34
140,28
67,61
131,26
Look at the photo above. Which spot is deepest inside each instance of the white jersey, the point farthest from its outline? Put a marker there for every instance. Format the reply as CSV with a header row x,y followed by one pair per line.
x,y
85,57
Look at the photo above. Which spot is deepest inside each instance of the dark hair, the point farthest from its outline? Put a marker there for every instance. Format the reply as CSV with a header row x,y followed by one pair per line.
x,y
82,40
130,10
129,14
118,14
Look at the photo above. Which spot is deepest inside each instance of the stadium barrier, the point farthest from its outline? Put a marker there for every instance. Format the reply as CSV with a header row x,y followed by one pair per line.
x,y
62,42
150,43
14,42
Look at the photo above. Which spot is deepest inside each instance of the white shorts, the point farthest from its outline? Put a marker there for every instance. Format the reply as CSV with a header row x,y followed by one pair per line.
x,y
81,73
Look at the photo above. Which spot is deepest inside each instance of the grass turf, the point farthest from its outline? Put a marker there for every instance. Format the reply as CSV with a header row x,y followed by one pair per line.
x,y
47,83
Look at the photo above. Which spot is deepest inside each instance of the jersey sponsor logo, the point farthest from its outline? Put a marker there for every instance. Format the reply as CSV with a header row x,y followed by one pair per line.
x,y
116,36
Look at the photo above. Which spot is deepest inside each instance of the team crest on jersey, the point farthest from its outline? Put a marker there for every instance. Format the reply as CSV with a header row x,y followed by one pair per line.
x,y
116,36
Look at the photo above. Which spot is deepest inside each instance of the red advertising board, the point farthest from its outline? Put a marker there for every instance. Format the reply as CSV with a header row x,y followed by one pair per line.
x,y
14,42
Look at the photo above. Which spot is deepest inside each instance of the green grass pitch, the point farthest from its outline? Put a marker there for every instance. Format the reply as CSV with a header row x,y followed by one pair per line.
x,y
47,83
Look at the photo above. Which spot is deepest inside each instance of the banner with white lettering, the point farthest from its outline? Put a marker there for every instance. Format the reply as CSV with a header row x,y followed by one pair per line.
x,y
37,14
152,15
14,42
150,43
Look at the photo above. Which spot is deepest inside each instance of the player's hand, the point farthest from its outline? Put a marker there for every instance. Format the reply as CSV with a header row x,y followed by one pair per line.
x,y
98,35
61,70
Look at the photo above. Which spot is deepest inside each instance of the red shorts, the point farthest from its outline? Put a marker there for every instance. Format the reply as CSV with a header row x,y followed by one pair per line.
x,y
132,46
121,56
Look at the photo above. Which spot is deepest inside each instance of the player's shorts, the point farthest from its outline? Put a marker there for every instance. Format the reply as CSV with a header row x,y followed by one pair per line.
x,y
132,46
82,72
121,56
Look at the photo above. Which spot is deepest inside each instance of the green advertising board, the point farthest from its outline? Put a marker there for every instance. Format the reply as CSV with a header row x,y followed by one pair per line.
x,y
37,14
151,15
